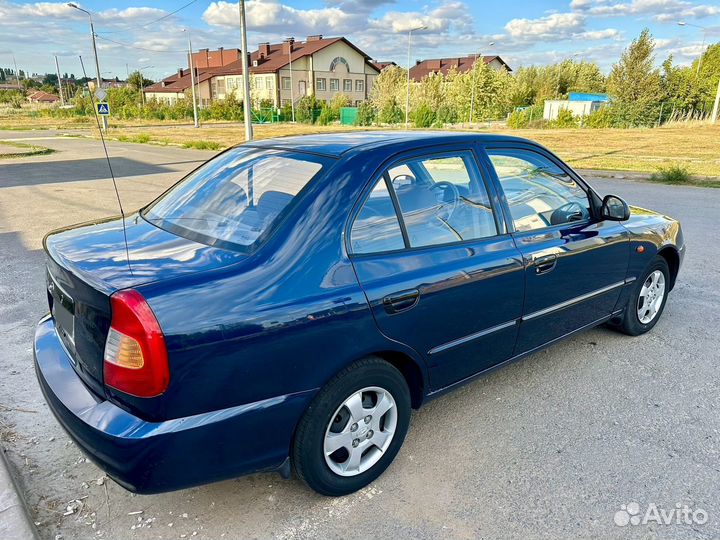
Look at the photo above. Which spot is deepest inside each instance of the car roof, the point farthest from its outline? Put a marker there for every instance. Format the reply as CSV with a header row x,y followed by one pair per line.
x,y
337,144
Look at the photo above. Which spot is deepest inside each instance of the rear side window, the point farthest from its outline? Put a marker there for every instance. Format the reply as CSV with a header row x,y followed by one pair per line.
x,y
234,198
442,199
376,228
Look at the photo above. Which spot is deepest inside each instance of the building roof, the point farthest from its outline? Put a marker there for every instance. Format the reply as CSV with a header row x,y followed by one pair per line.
x,y
271,60
423,68
44,97
380,65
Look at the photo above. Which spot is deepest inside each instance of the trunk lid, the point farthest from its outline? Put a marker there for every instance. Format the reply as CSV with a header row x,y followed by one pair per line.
x,y
88,262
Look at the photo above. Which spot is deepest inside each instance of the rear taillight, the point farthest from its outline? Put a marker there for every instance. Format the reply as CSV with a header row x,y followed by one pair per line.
x,y
136,360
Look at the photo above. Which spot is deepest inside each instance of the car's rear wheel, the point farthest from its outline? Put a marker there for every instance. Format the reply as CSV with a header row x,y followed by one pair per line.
x,y
353,429
647,301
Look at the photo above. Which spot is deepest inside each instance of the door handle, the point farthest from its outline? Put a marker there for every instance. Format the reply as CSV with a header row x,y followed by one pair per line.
x,y
401,301
545,264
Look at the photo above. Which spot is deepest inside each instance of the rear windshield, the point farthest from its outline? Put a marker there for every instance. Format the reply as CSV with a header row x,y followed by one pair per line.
x,y
234,198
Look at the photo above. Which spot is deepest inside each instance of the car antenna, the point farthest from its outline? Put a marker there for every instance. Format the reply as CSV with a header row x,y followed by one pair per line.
x,y
107,157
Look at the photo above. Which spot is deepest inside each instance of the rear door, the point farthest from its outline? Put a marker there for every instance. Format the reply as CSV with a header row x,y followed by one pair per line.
x,y
439,270
575,264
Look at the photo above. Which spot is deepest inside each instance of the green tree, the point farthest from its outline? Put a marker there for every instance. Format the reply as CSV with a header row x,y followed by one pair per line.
x,y
388,93
636,85
137,81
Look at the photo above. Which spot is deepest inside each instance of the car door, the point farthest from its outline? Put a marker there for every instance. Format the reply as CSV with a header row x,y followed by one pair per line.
x,y
576,265
440,272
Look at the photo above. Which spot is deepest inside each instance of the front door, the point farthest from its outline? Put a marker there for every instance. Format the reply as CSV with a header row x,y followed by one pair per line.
x,y
576,265
438,268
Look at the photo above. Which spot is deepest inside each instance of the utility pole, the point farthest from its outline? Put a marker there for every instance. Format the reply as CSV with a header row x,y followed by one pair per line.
x,y
702,47
407,97
247,106
290,42
17,73
97,63
57,68
714,116
192,79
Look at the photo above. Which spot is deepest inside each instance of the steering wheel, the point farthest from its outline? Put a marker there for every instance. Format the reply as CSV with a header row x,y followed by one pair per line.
x,y
568,212
446,188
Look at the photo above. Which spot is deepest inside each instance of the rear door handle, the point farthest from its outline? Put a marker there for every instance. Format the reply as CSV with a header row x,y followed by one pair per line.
x,y
401,301
545,264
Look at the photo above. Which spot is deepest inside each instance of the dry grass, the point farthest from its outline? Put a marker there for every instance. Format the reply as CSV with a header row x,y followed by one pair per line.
x,y
694,146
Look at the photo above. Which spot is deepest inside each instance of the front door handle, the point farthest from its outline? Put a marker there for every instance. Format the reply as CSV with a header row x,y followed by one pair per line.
x,y
545,264
401,301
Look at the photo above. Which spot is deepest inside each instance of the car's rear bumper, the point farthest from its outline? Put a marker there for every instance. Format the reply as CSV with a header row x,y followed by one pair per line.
x,y
151,457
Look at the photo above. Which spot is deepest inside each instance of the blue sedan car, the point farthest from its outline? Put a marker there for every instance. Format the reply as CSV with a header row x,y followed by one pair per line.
x,y
287,304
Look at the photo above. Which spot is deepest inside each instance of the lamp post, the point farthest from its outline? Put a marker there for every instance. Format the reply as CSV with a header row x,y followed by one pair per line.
x,y
192,79
474,84
290,41
702,47
97,63
142,83
407,97
247,107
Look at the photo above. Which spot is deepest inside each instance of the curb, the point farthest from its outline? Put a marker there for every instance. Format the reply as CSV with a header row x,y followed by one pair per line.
x,y
14,521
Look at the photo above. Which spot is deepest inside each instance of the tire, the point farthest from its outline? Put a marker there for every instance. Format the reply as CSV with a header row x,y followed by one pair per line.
x,y
641,316
368,385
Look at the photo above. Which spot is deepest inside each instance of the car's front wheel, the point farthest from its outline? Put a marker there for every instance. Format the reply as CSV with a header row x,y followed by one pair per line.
x,y
647,301
353,429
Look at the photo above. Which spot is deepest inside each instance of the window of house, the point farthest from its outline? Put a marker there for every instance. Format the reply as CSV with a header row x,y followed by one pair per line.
x,y
286,84
320,84
231,84
334,85
540,194
359,85
347,85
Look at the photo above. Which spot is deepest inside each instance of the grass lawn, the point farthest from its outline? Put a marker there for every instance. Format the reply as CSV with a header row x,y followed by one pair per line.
x,y
696,147
11,149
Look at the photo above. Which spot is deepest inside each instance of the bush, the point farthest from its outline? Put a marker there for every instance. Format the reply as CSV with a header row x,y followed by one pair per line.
x,y
305,109
446,115
365,114
522,118
202,145
391,114
602,118
673,174
424,117
326,115
565,119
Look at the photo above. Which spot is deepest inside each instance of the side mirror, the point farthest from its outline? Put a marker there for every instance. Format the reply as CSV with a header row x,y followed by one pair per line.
x,y
614,209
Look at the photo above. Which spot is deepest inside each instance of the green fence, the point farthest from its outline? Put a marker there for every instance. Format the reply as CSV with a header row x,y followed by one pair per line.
x,y
348,115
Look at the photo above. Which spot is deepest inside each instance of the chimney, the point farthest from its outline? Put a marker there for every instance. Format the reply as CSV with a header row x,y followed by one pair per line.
x,y
180,73
316,37
288,46
264,49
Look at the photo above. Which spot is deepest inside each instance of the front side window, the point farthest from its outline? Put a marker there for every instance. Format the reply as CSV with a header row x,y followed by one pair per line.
x,y
540,194
334,85
233,199
347,85
442,199
376,228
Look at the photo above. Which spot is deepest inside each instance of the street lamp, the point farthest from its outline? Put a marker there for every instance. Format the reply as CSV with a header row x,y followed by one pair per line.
x,y
702,47
474,84
290,41
407,97
97,63
142,83
247,107
192,78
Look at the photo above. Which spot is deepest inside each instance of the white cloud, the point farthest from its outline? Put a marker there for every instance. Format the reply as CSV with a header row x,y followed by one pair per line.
x,y
552,27
660,10
594,35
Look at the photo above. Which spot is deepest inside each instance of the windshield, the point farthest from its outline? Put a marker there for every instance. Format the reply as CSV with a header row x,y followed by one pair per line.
x,y
233,199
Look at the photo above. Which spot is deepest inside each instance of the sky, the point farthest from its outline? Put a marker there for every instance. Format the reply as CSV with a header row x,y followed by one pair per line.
x,y
149,34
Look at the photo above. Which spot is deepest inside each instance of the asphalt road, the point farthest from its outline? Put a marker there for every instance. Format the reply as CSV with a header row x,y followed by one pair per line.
x,y
550,447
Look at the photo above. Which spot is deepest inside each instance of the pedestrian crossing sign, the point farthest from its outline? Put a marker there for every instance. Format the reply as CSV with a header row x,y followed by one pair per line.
x,y
103,109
